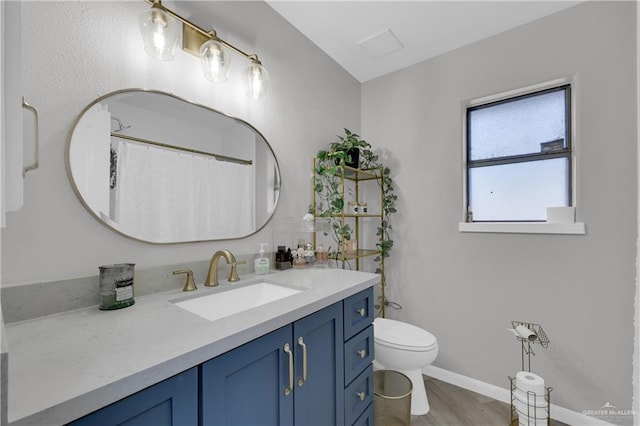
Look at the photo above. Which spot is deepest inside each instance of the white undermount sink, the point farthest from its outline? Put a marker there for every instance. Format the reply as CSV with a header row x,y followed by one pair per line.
x,y
235,300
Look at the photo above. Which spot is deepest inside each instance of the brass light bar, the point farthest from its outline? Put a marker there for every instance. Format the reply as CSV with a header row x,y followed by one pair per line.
x,y
193,36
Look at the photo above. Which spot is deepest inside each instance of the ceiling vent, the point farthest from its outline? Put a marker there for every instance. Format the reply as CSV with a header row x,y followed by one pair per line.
x,y
381,44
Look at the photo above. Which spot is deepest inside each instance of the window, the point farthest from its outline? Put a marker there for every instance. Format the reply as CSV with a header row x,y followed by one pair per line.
x,y
519,156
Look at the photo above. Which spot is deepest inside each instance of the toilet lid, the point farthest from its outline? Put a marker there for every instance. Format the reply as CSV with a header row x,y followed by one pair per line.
x,y
402,335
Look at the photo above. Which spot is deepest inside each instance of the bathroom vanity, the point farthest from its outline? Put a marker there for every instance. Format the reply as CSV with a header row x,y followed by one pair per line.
x,y
304,359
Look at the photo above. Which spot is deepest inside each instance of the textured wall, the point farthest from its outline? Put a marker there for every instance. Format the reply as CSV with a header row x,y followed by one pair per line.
x,y
465,288
77,51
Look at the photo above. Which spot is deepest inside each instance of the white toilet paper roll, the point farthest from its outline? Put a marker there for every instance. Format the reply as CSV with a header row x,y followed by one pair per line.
x,y
530,412
529,382
530,399
526,333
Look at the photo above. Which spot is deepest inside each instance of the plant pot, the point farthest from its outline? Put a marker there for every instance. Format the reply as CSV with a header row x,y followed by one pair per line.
x,y
353,154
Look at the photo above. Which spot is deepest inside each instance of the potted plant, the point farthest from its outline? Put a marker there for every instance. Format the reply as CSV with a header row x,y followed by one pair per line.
x,y
347,149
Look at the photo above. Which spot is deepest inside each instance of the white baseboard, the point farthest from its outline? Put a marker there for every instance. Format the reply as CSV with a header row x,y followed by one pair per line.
x,y
503,394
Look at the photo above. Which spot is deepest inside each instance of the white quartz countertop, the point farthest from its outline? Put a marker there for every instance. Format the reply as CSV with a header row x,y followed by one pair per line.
x,y
64,366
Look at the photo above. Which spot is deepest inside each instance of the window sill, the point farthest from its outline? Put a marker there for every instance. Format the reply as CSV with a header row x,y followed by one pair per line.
x,y
524,227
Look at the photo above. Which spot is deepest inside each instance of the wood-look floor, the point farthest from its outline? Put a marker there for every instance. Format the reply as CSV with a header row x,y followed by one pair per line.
x,y
454,406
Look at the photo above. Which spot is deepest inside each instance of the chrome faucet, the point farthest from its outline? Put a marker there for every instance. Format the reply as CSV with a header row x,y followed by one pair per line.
x,y
212,275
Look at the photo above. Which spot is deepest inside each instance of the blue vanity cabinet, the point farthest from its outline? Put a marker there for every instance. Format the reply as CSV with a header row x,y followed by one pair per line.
x,y
263,382
358,358
315,371
246,386
171,402
318,340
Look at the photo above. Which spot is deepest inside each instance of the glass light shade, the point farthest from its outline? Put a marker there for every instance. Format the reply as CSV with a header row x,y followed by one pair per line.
x,y
160,33
256,79
215,61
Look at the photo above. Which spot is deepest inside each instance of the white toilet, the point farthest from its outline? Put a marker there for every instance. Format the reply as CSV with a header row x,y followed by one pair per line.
x,y
405,348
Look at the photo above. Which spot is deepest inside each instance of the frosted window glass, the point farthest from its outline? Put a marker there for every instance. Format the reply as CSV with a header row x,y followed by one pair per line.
x,y
518,191
517,127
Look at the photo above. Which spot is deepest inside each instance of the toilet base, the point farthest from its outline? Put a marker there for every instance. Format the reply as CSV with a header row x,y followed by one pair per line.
x,y
419,401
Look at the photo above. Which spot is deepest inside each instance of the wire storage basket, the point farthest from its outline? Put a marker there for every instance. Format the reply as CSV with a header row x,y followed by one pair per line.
x,y
529,408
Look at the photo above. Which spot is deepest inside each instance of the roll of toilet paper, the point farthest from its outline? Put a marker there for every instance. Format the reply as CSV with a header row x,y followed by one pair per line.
x,y
529,382
531,399
526,333
537,413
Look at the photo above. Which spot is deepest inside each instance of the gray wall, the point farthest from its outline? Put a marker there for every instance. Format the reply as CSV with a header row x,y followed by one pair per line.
x,y
465,288
76,51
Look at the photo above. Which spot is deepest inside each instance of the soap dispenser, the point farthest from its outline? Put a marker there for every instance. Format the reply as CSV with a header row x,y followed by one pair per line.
x,y
261,264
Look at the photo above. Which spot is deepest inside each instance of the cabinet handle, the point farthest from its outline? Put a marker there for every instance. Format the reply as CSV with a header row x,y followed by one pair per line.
x,y
362,312
362,353
304,361
289,388
34,165
361,395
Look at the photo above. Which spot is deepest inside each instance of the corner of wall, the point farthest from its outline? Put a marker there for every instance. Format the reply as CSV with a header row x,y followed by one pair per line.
x,y
635,403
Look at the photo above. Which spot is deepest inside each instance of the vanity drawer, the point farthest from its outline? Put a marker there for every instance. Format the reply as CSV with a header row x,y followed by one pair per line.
x,y
358,354
366,419
358,312
358,396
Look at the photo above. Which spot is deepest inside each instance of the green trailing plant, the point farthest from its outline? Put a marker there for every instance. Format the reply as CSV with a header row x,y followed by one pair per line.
x,y
329,167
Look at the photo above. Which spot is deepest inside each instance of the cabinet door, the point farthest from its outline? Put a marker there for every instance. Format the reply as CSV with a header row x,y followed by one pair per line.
x,y
246,386
171,402
11,111
319,398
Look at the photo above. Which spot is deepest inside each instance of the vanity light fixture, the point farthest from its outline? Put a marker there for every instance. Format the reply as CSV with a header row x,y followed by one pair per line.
x,y
160,34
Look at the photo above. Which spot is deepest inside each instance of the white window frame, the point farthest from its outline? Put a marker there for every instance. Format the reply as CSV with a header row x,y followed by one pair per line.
x,y
523,227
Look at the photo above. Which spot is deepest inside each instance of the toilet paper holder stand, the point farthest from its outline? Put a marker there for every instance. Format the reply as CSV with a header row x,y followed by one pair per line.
x,y
528,334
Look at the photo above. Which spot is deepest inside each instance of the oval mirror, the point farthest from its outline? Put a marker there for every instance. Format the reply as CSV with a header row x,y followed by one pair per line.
x,y
160,169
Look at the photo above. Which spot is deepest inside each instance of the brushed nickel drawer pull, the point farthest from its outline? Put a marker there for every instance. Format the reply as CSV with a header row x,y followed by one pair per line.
x,y
304,362
289,388
36,115
362,312
362,353
361,395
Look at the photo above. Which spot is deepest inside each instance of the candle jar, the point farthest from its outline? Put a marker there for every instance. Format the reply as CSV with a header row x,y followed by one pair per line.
x,y
116,286
299,263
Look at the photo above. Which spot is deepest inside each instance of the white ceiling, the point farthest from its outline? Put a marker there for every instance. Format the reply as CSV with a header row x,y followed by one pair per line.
x,y
424,28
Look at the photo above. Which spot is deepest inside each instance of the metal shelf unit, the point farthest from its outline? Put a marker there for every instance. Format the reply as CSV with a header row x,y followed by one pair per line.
x,y
341,256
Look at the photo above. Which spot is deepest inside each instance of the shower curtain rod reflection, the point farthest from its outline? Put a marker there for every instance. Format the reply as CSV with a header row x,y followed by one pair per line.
x,y
179,148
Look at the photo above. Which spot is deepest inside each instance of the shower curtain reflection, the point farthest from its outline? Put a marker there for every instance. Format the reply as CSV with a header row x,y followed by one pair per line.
x,y
154,186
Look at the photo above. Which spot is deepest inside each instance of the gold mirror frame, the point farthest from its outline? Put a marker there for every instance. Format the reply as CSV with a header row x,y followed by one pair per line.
x,y
265,171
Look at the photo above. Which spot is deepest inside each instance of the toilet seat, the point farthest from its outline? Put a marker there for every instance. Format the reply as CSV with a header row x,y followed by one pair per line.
x,y
403,336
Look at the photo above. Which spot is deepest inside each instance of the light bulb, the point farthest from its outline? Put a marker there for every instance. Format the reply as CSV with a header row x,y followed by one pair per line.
x,y
215,61
256,80
160,33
